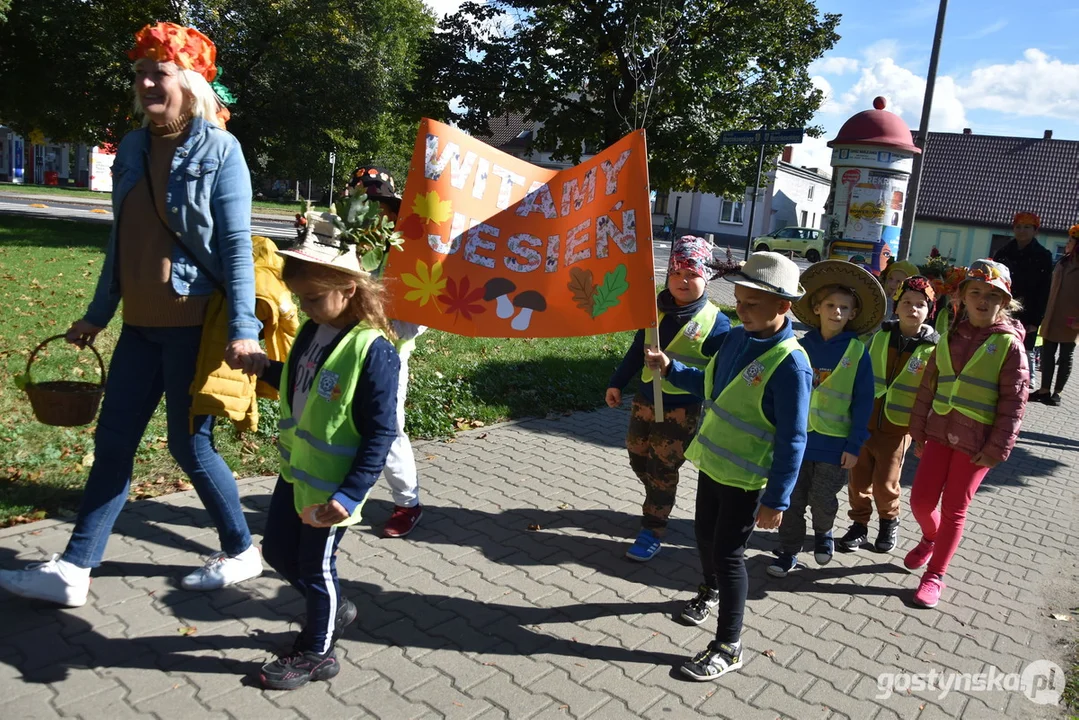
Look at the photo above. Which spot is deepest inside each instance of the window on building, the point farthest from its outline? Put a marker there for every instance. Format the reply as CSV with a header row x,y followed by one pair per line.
x,y
811,189
814,223
662,199
805,217
731,211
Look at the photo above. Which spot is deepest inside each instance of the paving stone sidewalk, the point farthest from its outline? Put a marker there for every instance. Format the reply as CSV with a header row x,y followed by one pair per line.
x,y
512,600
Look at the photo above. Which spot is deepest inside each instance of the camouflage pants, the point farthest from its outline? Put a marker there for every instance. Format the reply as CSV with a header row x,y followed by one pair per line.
x,y
656,452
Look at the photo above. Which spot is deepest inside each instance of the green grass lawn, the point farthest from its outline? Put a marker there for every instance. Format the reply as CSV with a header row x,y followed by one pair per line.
x,y
48,270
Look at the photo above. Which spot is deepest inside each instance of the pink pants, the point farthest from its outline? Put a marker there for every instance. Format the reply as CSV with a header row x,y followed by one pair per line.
x,y
948,478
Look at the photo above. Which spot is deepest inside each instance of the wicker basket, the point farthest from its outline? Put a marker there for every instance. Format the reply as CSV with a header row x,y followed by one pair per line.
x,y
64,402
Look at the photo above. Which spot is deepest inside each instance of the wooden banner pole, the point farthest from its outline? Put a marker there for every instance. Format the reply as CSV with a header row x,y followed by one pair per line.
x,y
651,335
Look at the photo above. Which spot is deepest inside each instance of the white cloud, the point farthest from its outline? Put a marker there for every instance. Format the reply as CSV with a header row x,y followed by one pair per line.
x,y
834,65
904,91
1037,85
985,31
829,106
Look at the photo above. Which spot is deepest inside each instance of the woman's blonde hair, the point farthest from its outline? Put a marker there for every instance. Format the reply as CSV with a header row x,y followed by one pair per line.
x,y
203,99
366,304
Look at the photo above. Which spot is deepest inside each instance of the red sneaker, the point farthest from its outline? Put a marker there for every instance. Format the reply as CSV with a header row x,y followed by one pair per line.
x,y
402,521
919,556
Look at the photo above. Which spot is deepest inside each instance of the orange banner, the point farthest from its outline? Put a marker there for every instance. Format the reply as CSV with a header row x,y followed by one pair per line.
x,y
496,247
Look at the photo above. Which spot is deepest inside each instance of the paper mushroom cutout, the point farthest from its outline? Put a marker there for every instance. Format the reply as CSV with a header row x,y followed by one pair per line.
x,y
499,289
529,301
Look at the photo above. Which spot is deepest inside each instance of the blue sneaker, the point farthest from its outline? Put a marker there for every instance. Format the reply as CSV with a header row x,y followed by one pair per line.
x,y
783,564
645,547
823,548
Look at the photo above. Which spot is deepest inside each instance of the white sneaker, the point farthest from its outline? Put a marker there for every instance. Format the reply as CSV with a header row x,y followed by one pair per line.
x,y
47,581
222,570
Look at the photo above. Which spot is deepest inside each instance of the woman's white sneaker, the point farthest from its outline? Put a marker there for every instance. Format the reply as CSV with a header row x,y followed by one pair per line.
x,y
222,570
55,581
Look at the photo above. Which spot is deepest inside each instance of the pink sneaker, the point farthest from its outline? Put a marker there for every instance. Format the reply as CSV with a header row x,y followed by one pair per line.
x,y
929,590
919,556
402,521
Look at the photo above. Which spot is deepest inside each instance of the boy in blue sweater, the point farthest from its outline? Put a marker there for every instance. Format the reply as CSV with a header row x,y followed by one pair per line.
x,y
842,302
749,447
692,329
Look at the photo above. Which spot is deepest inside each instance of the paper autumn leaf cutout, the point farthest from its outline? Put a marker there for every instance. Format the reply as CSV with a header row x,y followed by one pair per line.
x,y
583,289
432,208
608,294
461,299
425,284
411,227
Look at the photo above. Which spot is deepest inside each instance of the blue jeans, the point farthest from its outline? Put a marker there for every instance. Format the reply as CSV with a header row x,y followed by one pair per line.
x,y
149,363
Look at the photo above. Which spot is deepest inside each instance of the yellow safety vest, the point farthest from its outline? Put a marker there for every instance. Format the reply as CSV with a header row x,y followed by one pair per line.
x,y
736,441
974,391
318,449
687,347
903,391
829,406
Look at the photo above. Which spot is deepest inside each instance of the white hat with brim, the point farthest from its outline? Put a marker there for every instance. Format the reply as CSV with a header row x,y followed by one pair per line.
x,y
321,245
866,288
989,271
769,272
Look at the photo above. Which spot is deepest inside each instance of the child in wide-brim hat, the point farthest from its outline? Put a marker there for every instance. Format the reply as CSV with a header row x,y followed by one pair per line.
x,y
692,329
338,391
842,302
749,446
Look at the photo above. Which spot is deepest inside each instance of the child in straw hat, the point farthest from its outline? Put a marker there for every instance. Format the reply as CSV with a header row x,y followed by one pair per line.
x,y
338,396
842,302
756,392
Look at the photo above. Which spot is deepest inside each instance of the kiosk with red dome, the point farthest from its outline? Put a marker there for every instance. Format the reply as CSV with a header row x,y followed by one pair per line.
x,y
872,158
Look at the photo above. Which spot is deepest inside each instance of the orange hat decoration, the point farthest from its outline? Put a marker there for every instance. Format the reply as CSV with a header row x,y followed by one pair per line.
x,y
169,42
1073,232
1027,218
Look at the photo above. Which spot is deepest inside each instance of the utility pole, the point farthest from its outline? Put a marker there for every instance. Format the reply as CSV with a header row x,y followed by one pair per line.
x,y
911,210
753,200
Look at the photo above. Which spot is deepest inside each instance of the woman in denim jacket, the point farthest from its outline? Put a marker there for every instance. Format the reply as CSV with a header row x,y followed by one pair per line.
x,y
182,227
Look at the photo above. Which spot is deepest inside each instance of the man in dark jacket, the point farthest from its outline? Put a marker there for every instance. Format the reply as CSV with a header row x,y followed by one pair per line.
x,y
1031,265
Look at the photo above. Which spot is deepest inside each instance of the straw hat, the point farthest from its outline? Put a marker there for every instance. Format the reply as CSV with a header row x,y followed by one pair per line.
x,y
320,244
771,272
865,287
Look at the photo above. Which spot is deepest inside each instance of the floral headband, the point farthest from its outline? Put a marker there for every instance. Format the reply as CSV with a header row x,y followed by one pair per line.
x,y
1027,218
169,42
917,283
1073,232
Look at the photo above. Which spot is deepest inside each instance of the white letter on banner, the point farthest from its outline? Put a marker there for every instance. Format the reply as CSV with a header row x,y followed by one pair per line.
x,y
625,239
538,199
522,245
611,171
480,186
457,228
451,155
575,238
580,196
509,179
475,243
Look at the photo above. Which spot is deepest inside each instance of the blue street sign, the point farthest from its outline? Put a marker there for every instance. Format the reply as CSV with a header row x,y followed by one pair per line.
x,y
788,136
741,137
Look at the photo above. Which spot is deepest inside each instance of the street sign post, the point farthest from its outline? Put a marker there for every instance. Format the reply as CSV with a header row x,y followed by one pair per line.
x,y
762,137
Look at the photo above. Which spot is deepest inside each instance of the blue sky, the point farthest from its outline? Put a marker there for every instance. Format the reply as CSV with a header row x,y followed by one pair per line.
x,y
1006,68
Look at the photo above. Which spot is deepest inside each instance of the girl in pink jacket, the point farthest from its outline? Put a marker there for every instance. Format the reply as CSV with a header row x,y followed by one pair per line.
x,y
966,418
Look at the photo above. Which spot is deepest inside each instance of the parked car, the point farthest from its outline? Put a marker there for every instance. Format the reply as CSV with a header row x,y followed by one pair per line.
x,y
807,242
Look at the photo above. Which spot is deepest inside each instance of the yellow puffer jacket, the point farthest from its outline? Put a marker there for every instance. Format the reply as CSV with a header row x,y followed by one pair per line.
x,y
218,389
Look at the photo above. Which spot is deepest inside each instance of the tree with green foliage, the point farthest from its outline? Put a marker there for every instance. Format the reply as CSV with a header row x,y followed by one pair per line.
x,y
593,70
309,76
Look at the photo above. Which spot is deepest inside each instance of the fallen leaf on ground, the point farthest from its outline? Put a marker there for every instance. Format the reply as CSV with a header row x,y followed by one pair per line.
x,y
533,526
769,653
1060,616
188,630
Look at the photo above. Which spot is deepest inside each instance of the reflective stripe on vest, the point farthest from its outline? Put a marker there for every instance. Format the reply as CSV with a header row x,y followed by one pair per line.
x,y
687,346
829,406
974,390
318,449
903,391
735,443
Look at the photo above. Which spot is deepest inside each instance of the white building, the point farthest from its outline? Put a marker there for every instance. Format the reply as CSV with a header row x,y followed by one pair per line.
x,y
793,196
